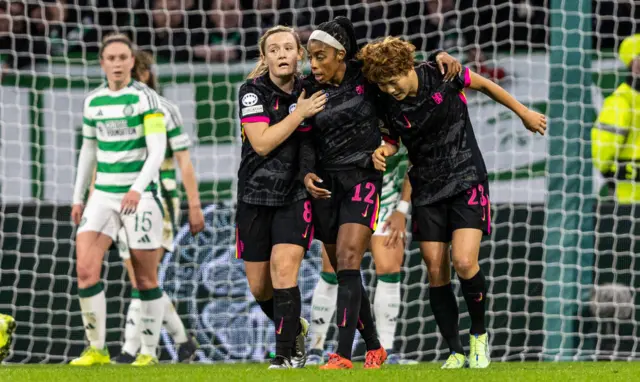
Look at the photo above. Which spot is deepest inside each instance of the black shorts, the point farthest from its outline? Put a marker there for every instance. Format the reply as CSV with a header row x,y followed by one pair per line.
x,y
359,203
468,209
258,228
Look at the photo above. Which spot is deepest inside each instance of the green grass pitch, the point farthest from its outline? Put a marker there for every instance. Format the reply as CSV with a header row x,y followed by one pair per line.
x,y
499,372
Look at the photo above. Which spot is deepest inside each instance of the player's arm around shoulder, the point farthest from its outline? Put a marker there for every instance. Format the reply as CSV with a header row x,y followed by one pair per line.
x,y
532,120
381,153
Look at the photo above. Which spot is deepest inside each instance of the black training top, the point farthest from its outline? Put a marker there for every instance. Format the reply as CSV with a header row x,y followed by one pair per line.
x,y
436,129
270,180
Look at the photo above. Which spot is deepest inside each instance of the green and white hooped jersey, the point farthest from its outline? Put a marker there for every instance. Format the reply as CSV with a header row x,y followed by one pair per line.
x,y
393,178
116,120
177,140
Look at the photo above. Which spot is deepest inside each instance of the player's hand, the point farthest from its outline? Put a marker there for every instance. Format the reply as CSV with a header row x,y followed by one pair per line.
x,y
308,107
76,213
130,202
534,121
396,225
379,156
310,181
453,69
196,220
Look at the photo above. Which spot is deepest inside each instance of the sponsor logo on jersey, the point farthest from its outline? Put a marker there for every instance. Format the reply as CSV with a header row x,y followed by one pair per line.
x,y
252,110
116,128
249,99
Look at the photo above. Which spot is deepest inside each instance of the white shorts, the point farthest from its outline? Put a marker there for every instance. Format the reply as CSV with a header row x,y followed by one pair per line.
x,y
385,213
167,229
143,230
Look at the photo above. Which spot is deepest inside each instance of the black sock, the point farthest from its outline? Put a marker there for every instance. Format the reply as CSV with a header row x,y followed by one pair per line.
x,y
349,302
287,319
474,291
366,327
445,311
267,307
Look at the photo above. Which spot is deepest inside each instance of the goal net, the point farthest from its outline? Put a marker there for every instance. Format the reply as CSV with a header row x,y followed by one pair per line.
x,y
547,299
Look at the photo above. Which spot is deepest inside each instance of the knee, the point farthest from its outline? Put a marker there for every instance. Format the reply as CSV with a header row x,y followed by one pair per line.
x,y
438,277
284,272
348,258
465,267
146,282
87,275
261,292
387,267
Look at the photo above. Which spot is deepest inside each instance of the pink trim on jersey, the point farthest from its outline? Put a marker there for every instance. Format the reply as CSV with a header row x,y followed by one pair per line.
x,y
467,77
304,129
463,97
255,119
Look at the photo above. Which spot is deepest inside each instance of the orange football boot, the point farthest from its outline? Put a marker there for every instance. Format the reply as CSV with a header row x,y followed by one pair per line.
x,y
337,362
375,358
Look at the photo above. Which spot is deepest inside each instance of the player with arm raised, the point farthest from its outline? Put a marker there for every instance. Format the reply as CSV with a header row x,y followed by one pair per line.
x,y
274,217
450,194
124,137
177,151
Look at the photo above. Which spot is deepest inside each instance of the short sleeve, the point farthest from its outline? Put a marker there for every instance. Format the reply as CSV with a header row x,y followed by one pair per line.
x,y
88,124
252,105
178,139
463,80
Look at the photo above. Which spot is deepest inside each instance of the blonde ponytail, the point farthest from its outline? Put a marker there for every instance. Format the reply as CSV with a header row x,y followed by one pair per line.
x,y
261,69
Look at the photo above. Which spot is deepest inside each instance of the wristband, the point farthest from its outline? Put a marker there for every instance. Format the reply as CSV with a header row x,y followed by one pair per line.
x,y
403,206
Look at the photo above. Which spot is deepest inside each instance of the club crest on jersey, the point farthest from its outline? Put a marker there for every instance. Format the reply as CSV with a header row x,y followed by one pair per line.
x,y
292,107
437,98
128,110
360,89
249,99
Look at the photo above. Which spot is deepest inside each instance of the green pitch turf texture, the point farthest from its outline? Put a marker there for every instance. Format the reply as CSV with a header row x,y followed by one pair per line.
x,y
534,372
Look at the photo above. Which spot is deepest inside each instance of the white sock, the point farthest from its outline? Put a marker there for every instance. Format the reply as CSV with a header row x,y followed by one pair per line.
x,y
151,312
132,328
386,308
94,315
172,321
323,305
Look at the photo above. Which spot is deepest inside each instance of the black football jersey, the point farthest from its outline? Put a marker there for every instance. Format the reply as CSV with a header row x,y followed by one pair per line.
x,y
346,132
270,180
436,129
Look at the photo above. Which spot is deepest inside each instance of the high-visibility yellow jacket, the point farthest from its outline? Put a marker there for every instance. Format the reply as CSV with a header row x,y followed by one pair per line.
x,y
615,137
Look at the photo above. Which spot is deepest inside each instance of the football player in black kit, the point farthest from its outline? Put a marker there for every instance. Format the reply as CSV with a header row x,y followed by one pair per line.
x,y
450,193
274,217
342,179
